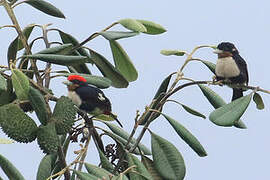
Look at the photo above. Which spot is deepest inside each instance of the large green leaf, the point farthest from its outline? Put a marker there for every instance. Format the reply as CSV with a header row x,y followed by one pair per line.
x,y
3,84
123,62
120,132
217,102
158,96
100,82
45,166
26,32
60,49
258,100
108,70
211,66
85,176
152,28
39,105
133,25
97,171
59,59
12,51
20,83
230,113
122,141
9,169
212,97
105,163
67,38
148,163
187,136
167,159
115,35
190,110
45,7
142,172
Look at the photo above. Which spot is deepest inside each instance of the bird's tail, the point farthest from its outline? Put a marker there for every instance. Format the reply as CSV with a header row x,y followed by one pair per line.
x,y
237,93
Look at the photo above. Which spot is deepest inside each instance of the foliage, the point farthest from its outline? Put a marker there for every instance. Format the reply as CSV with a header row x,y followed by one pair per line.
x,y
25,88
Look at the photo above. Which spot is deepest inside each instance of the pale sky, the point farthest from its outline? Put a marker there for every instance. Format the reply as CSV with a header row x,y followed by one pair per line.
x,y
232,153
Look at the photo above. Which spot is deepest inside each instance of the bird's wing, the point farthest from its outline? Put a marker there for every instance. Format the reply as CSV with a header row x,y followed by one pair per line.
x,y
241,63
93,97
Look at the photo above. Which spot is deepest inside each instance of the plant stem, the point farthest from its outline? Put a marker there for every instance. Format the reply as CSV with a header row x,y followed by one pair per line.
x,y
12,16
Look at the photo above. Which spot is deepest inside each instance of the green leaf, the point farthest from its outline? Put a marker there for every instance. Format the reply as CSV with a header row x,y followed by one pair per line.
x,y
98,81
240,124
26,32
65,60
149,164
61,49
228,114
259,101
140,169
212,97
16,124
97,171
20,83
45,7
85,176
9,169
163,86
105,163
158,96
12,51
152,28
115,35
120,132
187,136
172,52
167,159
3,84
108,70
133,25
123,62
122,141
217,102
67,38
191,111
211,66
39,105
6,141
45,167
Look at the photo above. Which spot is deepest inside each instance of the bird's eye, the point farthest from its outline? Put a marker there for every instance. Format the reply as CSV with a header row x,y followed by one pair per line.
x,y
233,49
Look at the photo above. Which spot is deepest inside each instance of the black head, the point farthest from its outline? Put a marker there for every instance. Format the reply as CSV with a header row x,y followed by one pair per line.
x,y
227,47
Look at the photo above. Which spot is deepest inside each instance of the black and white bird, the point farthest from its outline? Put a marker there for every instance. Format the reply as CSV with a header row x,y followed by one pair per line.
x,y
231,66
88,98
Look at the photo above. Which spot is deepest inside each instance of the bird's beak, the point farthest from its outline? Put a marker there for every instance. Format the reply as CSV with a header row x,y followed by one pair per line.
x,y
68,83
218,51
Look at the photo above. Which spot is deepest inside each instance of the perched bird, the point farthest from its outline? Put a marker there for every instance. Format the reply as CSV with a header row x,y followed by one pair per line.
x,y
88,98
231,66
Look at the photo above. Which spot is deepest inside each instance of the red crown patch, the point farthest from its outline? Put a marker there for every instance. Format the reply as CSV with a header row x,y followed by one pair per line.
x,y
76,77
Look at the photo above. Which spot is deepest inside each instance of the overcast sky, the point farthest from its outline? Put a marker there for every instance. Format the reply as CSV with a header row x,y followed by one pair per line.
x,y
232,153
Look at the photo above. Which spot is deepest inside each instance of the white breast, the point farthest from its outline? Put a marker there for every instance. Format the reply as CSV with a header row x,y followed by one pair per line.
x,y
226,67
75,98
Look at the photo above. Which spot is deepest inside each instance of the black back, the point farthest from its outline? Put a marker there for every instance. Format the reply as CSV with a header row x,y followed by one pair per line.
x,y
93,97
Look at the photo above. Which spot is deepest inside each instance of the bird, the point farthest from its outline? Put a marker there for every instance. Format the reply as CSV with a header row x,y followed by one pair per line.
x,y
88,98
231,67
